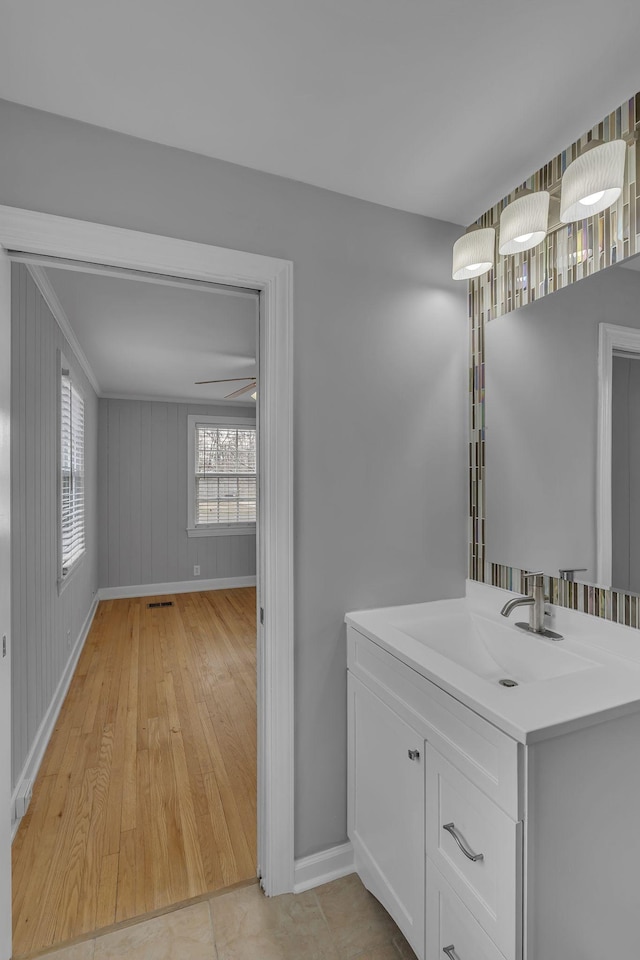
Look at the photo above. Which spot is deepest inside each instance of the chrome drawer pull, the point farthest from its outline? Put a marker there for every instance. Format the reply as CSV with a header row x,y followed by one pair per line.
x,y
450,952
451,828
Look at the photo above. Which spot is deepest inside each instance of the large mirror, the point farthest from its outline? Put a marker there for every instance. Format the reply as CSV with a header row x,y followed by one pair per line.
x,y
562,393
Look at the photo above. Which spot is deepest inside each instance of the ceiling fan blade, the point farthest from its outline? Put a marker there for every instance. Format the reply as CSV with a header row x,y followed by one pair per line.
x,y
228,380
238,393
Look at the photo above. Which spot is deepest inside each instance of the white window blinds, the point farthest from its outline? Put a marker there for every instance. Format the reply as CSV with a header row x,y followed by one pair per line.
x,y
72,538
225,474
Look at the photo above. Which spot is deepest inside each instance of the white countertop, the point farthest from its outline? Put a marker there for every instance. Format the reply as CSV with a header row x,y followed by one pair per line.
x,y
606,686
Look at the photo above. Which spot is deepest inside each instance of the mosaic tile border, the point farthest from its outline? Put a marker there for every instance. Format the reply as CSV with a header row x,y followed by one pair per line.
x,y
568,254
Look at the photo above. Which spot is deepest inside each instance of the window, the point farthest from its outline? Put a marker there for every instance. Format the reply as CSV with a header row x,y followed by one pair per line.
x,y
72,534
223,480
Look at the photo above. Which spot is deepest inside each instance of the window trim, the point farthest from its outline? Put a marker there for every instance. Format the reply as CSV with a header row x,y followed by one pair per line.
x,y
65,366
217,529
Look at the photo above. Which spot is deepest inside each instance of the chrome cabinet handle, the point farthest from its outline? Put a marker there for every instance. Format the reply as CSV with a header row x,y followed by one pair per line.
x,y
450,952
451,828
413,754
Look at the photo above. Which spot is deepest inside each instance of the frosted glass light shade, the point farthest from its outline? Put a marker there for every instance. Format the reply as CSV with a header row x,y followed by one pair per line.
x,y
523,224
593,181
473,254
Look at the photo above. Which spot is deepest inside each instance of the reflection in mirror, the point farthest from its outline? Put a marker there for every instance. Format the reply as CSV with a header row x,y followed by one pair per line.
x,y
542,399
625,474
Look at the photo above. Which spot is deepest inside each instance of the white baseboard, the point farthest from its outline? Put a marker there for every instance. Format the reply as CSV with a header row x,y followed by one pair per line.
x,y
39,745
323,867
179,586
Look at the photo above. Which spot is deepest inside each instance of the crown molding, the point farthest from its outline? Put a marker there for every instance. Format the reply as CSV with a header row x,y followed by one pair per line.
x,y
43,284
194,401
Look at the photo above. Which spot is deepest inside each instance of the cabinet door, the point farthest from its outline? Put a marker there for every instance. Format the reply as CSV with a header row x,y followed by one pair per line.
x,y
386,808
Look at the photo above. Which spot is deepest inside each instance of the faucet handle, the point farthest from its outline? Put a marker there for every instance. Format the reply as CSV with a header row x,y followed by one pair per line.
x,y
538,575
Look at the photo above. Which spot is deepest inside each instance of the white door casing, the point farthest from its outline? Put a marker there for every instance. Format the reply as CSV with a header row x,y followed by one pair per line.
x,y
46,235
5,607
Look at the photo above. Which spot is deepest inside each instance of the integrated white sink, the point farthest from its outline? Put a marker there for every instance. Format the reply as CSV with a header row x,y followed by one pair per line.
x,y
488,649
466,648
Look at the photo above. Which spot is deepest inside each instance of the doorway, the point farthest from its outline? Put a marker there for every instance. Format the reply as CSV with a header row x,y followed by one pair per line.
x,y
146,795
49,236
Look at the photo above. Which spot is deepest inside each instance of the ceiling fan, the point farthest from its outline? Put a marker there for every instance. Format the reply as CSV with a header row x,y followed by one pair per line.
x,y
252,385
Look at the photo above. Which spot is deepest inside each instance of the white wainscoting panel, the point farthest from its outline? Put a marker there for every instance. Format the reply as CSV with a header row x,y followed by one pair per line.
x,y
142,494
45,624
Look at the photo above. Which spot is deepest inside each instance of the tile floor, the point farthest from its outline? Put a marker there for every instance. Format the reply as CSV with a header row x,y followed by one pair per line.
x,y
339,921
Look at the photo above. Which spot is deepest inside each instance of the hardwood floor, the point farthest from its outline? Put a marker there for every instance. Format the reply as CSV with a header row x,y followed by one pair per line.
x,y
147,792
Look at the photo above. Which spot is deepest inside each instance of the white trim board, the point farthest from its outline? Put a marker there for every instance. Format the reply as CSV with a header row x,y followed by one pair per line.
x,y
100,269
323,867
612,339
6,575
29,231
42,737
179,586
248,530
194,401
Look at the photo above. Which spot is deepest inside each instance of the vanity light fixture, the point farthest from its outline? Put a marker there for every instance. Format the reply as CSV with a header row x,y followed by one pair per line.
x,y
523,223
593,181
473,253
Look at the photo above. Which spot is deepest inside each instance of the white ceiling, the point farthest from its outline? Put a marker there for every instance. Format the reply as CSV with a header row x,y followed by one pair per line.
x,y
435,106
153,340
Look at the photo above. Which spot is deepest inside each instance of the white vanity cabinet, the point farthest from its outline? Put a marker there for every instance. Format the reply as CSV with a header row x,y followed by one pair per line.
x,y
482,847
420,761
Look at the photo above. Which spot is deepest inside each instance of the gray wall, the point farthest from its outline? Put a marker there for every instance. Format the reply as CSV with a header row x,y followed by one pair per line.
x,y
142,520
541,384
625,474
380,393
41,619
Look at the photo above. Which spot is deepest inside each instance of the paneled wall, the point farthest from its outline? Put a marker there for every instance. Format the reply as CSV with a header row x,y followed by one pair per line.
x,y
143,499
45,625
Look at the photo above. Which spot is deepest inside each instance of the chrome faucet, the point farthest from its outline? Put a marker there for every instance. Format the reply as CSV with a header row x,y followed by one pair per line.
x,y
536,601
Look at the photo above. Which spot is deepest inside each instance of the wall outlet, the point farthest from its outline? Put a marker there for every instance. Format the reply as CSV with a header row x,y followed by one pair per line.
x,y
68,638
196,570
23,798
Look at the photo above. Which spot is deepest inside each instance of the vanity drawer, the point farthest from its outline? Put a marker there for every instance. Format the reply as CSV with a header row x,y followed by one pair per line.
x,y
479,853
486,755
451,925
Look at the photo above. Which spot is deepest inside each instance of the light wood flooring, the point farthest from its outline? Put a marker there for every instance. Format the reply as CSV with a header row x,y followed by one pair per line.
x,y
146,796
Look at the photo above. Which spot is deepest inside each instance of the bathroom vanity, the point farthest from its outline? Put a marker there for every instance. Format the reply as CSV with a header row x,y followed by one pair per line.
x,y
496,822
